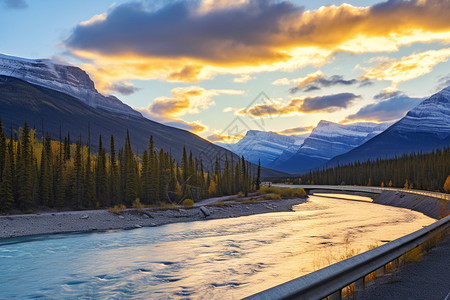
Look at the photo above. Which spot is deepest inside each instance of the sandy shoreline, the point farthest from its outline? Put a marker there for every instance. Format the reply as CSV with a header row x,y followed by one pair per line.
x,y
101,220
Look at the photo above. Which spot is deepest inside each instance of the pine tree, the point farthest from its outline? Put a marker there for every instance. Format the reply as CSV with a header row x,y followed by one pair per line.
x,y
114,180
145,178
131,183
24,169
45,179
101,183
2,149
258,176
6,185
89,182
79,184
67,147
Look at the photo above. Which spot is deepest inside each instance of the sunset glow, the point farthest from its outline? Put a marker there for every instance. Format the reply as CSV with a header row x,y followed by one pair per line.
x,y
199,64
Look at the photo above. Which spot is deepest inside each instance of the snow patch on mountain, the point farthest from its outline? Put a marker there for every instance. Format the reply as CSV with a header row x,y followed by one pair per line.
x,y
430,116
329,139
265,146
63,78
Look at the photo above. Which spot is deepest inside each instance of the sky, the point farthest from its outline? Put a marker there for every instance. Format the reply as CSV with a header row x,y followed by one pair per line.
x,y
220,68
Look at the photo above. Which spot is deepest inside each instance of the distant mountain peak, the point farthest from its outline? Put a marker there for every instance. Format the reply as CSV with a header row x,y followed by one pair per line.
x,y
67,79
431,116
327,140
424,128
264,145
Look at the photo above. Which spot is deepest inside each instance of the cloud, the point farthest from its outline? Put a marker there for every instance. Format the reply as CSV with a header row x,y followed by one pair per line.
x,y
297,130
195,127
188,73
133,41
123,88
407,67
384,95
443,83
328,103
229,109
387,110
318,80
14,4
220,137
282,81
243,78
184,100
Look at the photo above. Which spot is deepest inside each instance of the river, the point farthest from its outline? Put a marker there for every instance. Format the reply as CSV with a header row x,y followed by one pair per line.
x,y
226,258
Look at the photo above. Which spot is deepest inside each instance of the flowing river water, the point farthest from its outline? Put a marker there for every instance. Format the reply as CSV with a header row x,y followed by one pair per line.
x,y
221,259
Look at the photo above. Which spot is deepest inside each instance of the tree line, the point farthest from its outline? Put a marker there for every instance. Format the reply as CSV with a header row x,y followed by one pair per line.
x,y
44,172
424,171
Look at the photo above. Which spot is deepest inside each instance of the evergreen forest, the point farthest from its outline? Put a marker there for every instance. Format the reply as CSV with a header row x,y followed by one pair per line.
x,y
422,171
62,174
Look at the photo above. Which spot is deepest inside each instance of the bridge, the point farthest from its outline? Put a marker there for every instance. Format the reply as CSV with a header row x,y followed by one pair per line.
x,y
330,281
365,189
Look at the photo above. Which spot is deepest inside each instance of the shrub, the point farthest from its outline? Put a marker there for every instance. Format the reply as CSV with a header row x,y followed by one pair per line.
x,y
300,193
269,189
188,203
246,201
137,204
272,196
117,209
287,193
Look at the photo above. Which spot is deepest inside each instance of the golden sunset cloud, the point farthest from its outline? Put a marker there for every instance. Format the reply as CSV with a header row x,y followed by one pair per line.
x,y
184,100
406,68
201,41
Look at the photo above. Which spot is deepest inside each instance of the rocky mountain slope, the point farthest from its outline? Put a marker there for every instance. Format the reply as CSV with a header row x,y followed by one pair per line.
x,y
266,146
425,128
327,140
70,80
47,110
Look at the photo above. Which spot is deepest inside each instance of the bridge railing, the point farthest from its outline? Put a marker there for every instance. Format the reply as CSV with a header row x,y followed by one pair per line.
x,y
369,189
331,280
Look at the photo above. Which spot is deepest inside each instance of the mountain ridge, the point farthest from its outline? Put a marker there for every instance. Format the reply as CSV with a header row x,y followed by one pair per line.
x,y
67,79
263,145
424,128
327,140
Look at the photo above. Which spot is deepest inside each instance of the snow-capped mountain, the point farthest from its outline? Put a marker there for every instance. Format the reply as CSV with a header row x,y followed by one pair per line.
x,y
63,78
265,146
327,140
424,128
430,116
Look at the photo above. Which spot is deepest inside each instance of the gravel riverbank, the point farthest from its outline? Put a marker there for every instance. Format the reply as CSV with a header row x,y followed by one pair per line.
x,y
101,220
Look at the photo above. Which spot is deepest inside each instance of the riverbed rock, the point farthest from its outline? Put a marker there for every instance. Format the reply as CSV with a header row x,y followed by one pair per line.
x,y
205,211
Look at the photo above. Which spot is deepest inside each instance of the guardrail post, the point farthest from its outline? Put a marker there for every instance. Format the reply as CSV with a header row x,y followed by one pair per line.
x,y
336,296
360,284
380,271
395,263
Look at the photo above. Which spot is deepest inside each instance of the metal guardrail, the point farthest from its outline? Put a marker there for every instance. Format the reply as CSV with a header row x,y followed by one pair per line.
x,y
332,279
368,189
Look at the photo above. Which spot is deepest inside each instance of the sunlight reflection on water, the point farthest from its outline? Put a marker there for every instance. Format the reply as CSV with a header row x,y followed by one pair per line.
x,y
227,258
